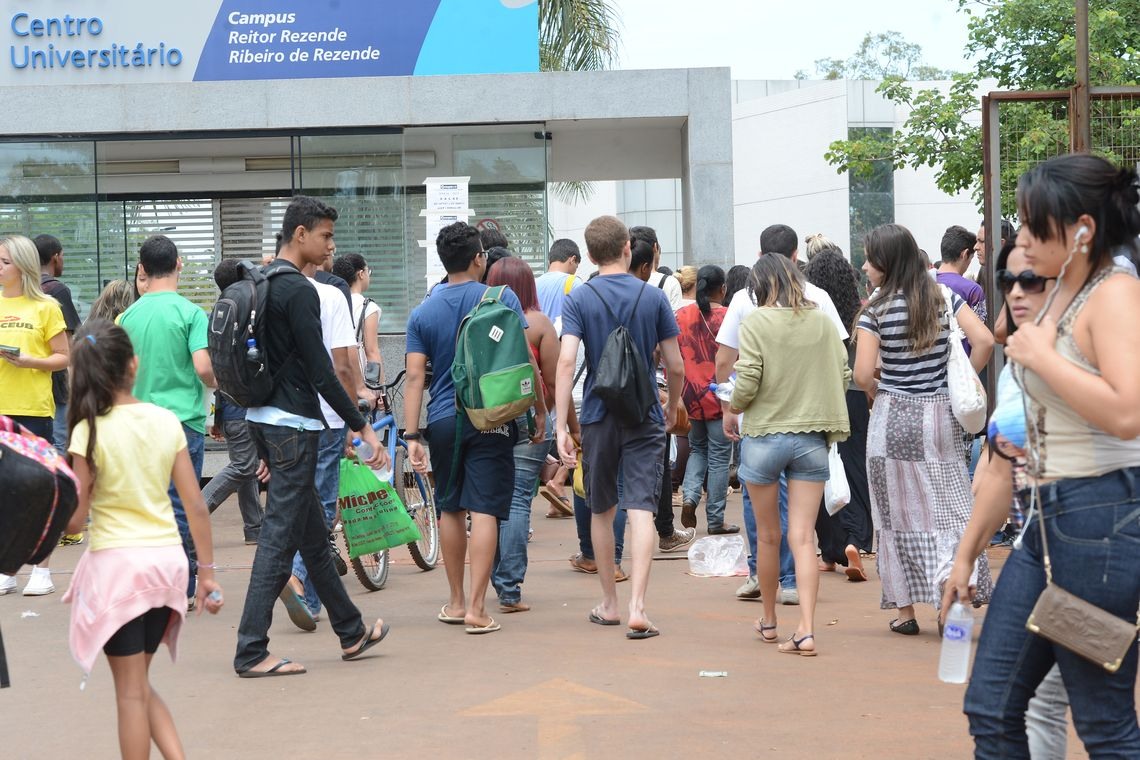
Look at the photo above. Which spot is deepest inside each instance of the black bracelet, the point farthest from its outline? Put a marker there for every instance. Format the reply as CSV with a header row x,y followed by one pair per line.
x,y
412,436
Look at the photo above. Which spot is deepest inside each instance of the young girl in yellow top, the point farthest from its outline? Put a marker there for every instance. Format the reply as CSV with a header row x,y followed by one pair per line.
x,y
33,344
128,593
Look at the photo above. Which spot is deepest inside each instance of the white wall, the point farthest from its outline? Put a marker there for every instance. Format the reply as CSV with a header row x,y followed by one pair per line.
x,y
780,175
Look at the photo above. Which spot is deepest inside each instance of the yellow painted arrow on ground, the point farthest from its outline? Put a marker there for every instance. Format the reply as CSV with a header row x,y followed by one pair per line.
x,y
557,704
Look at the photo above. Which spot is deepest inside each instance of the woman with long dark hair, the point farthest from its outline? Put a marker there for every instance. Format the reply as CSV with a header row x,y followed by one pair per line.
x,y
709,448
850,531
1076,365
917,452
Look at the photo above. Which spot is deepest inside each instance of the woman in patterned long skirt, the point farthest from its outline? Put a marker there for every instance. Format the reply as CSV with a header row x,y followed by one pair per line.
x,y
916,450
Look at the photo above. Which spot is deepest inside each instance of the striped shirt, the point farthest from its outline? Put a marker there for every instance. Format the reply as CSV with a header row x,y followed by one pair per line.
x,y
904,371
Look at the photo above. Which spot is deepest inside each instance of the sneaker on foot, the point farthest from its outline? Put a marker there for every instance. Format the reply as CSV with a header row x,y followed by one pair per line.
x,y
750,589
338,561
71,539
680,539
789,596
39,584
7,584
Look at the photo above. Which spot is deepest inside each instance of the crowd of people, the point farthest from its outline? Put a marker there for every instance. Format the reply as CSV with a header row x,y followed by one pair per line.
x,y
757,375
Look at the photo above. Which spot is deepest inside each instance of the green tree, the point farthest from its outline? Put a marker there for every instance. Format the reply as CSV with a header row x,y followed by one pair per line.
x,y
882,55
577,35
1023,45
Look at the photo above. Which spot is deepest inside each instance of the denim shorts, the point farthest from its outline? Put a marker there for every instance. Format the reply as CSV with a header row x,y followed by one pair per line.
x,y
802,455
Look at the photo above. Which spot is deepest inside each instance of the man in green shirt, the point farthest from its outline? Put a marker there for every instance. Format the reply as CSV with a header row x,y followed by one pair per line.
x,y
169,336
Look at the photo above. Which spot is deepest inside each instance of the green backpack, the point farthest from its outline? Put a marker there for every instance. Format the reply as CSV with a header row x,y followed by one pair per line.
x,y
493,377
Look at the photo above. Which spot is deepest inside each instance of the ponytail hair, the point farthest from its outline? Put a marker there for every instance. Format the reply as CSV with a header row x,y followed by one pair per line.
x,y
101,356
710,279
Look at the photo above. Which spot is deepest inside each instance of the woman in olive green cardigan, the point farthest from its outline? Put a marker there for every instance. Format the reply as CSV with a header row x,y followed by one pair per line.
x,y
791,381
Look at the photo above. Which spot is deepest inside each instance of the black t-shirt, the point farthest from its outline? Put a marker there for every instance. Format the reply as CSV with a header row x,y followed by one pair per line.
x,y
61,293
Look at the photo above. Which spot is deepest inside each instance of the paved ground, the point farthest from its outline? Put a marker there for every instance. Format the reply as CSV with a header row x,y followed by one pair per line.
x,y
549,685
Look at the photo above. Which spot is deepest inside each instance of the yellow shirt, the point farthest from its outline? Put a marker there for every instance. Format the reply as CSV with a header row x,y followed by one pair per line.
x,y
29,326
135,447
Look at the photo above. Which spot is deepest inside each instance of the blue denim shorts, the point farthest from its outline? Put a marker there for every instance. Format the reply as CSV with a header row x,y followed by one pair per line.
x,y
802,455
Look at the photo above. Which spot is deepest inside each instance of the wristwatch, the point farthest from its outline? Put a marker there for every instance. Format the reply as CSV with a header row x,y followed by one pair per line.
x,y
412,436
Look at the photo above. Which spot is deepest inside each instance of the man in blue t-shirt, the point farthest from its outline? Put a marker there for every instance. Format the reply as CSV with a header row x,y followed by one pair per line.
x,y
483,476
608,446
560,278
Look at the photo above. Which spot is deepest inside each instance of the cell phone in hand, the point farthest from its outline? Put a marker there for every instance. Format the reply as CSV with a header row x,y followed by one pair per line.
x,y
11,350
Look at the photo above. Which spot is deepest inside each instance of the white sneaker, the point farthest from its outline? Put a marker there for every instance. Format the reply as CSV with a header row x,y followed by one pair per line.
x,y
39,584
7,584
789,596
750,589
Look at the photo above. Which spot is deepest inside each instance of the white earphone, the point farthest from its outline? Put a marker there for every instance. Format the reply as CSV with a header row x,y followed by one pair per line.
x,y
1079,238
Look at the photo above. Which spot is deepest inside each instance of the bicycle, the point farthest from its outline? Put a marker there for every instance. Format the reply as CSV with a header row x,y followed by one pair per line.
x,y
415,492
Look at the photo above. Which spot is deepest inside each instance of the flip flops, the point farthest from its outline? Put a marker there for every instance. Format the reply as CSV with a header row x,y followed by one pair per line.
x,y
443,617
597,619
506,608
298,610
643,633
274,671
491,627
369,642
854,570
560,506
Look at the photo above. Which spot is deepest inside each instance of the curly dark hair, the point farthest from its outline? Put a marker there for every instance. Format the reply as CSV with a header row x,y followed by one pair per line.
x,y
831,271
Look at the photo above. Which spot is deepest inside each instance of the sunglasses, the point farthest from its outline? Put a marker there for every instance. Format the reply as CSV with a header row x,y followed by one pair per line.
x,y
1029,282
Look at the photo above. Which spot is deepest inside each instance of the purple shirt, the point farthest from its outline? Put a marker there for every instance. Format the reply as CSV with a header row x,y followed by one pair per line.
x,y
970,292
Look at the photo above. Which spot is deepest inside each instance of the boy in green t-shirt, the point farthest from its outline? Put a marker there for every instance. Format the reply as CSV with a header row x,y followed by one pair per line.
x,y
169,337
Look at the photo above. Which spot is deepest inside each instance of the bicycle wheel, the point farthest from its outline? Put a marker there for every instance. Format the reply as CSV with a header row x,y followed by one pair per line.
x,y
416,493
371,569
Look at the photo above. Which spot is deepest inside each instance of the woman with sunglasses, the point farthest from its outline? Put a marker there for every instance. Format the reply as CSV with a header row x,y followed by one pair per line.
x,y
916,450
1046,719
1076,364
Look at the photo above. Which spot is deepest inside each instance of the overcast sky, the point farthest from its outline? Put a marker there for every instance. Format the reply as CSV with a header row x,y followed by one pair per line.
x,y
771,39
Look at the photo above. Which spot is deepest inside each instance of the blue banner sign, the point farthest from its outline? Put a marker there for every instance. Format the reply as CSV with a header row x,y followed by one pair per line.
x,y
75,42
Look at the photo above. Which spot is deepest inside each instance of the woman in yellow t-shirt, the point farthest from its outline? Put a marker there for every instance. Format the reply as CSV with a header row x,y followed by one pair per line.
x,y
33,344
128,593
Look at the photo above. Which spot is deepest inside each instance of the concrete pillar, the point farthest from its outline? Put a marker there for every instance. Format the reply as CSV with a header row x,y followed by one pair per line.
x,y
706,169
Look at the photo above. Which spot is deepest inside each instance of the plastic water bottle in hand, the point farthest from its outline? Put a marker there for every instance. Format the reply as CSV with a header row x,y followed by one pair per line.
x,y
957,640
724,390
364,452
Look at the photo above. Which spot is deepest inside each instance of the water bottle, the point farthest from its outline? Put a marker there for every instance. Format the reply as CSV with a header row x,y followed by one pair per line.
x,y
724,390
364,452
252,352
957,639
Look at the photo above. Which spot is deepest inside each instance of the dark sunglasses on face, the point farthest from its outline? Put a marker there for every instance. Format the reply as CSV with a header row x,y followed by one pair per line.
x,y
1029,282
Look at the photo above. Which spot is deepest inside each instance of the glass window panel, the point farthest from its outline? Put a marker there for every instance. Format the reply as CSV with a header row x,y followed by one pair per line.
x,y
660,195
49,188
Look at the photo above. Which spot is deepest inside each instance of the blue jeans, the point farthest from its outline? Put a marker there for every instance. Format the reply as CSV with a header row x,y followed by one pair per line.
x,y
1093,525
59,429
293,521
330,448
239,475
582,523
787,562
196,447
509,570
709,452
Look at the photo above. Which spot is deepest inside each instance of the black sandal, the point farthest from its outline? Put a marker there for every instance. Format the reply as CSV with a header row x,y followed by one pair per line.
x,y
908,628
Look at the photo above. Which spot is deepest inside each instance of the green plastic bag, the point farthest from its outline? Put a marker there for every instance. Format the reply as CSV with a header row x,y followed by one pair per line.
x,y
371,512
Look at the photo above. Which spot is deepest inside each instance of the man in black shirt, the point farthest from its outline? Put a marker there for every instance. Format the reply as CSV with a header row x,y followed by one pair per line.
x,y
286,431
51,267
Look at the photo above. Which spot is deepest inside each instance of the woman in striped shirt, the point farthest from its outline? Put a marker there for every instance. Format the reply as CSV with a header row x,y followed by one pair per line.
x,y
916,450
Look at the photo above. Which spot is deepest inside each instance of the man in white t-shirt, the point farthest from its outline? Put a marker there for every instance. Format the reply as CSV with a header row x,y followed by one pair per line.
x,y
665,282
779,239
339,338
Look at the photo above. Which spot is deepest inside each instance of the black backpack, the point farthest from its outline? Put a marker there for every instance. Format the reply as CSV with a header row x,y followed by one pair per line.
x,y
242,368
621,379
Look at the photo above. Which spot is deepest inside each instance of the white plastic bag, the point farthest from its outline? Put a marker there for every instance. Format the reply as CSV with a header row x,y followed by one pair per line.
x,y
718,556
967,396
836,491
